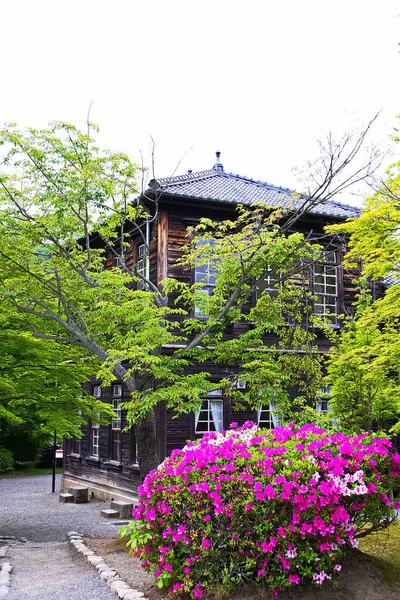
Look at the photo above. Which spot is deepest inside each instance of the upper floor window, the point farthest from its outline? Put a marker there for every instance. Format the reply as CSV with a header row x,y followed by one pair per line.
x,y
141,265
325,288
210,415
97,391
205,274
269,283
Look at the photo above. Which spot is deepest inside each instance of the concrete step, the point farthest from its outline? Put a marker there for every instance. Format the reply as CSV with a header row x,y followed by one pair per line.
x,y
80,494
109,513
124,509
65,497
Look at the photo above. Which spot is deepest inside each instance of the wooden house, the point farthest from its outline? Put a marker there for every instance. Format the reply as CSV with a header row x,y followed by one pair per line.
x,y
105,459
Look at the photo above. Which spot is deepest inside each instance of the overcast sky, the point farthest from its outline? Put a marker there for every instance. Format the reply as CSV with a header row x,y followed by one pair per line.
x,y
258,80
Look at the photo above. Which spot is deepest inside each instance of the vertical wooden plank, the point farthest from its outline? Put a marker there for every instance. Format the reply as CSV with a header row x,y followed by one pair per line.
x,y
162,247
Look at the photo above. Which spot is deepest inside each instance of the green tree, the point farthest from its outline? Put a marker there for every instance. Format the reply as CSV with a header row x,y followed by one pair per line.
x,y
40,389
65,207
364,366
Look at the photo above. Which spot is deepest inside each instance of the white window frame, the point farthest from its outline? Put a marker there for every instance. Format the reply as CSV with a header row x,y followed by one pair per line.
x,y
210,417
325,289
205,275
141,265
270,283
268,418
97,391
117,390
95,447
322,402
116,422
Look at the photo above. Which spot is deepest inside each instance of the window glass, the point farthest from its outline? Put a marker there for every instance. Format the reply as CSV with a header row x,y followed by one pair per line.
x,y
325,289
267,415
210,415
141,265
116,423
206,275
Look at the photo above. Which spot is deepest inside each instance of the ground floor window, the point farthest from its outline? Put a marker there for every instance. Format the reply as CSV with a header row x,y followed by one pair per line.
x,y
210,415
115,449
268,416
95,441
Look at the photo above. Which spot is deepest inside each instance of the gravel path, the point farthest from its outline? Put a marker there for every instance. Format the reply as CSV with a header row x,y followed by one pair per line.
x,y
43,564
28,509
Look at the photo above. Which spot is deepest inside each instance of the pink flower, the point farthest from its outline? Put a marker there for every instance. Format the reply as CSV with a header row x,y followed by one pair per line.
x,y
197,593
294,579
206,544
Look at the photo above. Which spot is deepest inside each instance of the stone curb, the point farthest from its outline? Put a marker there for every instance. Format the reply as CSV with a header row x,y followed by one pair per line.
x,y
5,566
106,573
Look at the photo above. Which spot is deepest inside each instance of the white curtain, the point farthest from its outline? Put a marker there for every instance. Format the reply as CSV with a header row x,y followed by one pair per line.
x,y
216,411
259,411
196,419
273,409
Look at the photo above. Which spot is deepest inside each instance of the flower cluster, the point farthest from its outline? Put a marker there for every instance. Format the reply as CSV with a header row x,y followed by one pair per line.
x,y
275,507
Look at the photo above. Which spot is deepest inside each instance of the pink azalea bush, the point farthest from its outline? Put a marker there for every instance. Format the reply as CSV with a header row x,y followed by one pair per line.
x,y
277,508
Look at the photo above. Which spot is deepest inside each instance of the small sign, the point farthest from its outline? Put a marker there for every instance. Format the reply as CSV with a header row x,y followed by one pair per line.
x,y
59,453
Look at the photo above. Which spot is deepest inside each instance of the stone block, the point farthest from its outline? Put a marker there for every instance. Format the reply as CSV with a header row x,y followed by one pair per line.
x,y
64,497
80,494
109,513
124,509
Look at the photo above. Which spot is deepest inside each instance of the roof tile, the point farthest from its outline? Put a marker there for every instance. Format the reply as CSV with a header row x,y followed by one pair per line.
x,y
220,186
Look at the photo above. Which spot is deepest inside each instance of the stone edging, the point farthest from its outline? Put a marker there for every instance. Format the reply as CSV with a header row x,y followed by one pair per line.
x,y
5,565
106,573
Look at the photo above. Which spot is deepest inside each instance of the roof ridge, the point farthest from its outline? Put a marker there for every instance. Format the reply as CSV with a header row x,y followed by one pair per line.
x,y
188,177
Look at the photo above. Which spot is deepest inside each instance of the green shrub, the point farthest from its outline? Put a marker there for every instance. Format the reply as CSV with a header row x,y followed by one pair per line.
x,y
276,508
6,460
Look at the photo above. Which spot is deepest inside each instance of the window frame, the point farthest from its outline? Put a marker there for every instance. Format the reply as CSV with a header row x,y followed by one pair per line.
x,y
329,319
115,452
212,396
201,309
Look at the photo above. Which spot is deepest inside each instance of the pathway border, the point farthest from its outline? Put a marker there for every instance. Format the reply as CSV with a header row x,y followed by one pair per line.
x,y
109,575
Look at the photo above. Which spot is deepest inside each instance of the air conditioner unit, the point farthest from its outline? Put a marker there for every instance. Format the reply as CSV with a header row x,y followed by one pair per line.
x,y
241,385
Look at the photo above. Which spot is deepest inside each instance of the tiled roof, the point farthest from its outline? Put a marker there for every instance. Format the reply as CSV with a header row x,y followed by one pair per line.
x,y
219,186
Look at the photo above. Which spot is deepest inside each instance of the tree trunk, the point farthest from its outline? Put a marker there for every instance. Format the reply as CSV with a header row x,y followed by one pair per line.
x,y
145,429
146,439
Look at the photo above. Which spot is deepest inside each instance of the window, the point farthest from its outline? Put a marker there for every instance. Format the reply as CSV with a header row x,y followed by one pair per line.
x,y
141,265
134,456
269,283
97,391
325,289
95,441
205,274
267,415
210,415
116,423
322,404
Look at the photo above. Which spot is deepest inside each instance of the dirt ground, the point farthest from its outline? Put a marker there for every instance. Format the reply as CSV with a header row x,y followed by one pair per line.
x,y
361,578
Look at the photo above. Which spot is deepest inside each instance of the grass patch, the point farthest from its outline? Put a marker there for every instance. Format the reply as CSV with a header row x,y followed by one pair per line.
x,y
28,472
384,548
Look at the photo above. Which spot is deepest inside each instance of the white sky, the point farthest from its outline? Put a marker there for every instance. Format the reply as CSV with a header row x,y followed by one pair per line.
x,y
258,80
